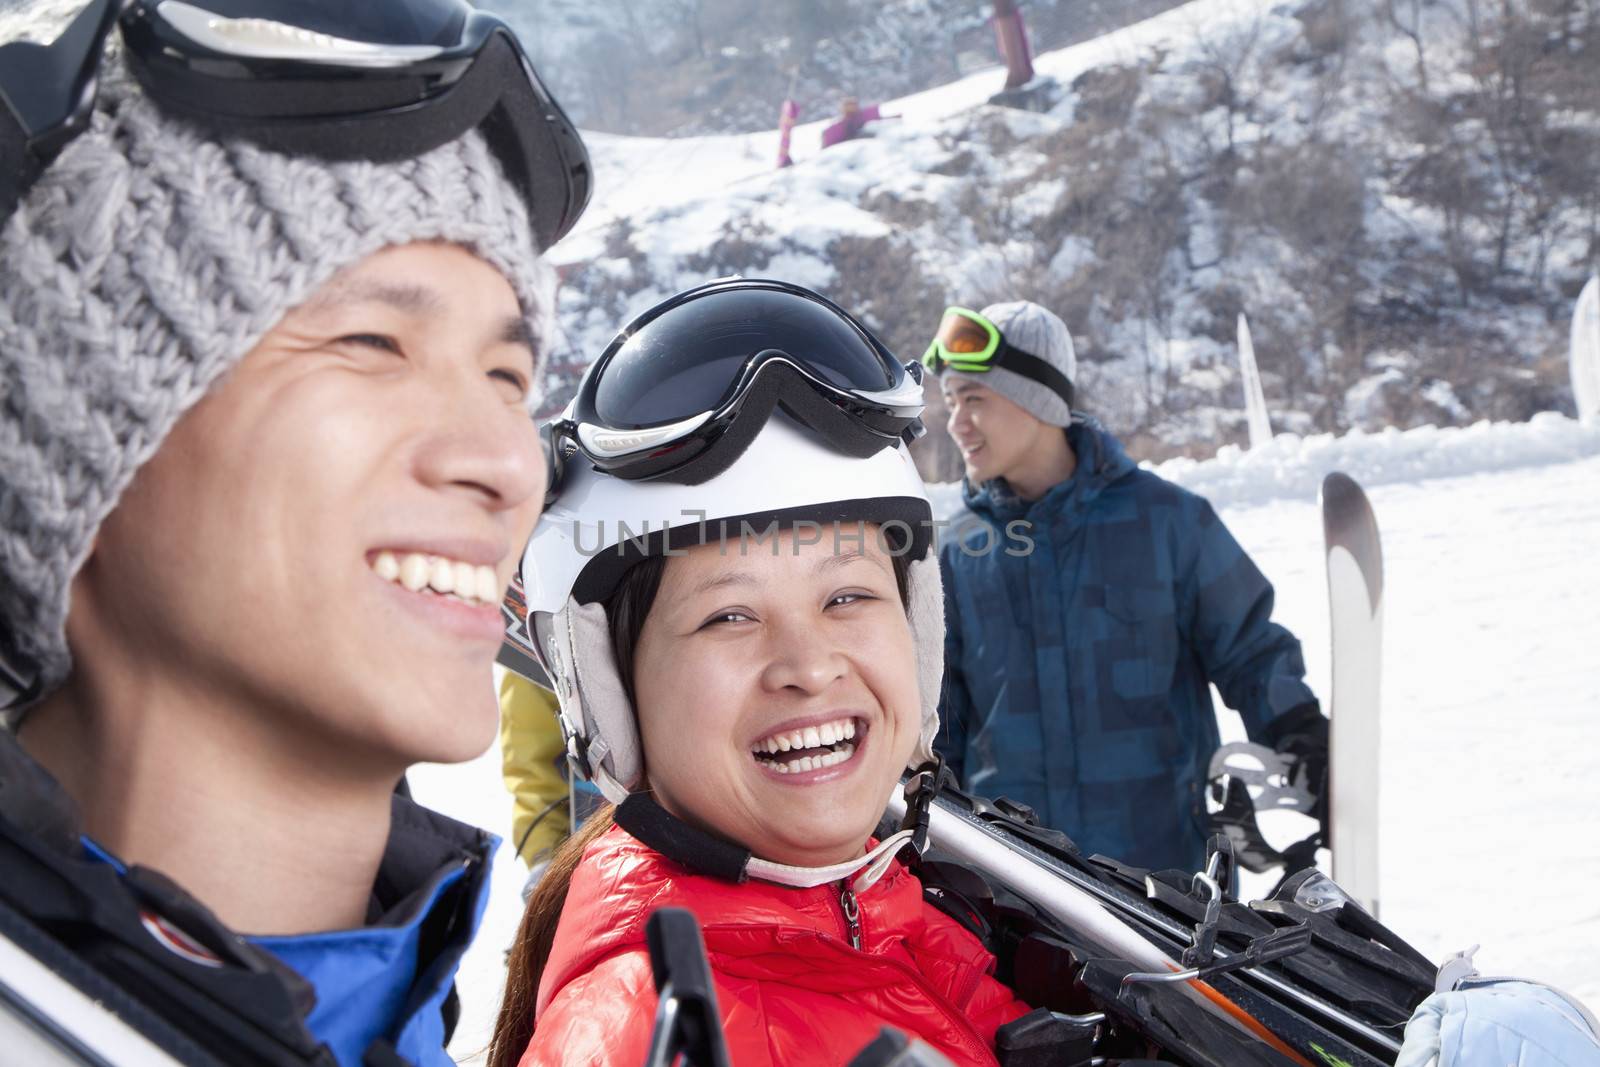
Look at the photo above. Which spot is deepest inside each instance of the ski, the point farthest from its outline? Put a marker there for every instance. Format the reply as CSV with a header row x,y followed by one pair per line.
x,y
1584,355
1355,604
1255,399
1296,979
46,1021
788,115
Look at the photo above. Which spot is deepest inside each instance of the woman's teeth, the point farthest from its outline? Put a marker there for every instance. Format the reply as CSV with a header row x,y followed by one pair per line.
x,y
416,572
814,763
809,749
809,737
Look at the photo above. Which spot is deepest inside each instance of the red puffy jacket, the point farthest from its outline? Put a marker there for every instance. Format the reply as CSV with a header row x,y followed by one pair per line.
x,y
790,987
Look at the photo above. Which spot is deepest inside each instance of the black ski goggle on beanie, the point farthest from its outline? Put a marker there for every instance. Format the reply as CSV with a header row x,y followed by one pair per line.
x,y
685,387
375,80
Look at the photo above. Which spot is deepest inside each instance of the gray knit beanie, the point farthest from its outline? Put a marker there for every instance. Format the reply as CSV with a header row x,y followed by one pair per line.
x,y
145,262
1039,332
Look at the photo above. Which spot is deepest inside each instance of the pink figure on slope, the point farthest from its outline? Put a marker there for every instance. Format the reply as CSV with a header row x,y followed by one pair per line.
x,y
853,119
787,116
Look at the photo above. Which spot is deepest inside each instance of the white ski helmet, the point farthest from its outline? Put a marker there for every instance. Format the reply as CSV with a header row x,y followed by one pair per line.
x,y
778,468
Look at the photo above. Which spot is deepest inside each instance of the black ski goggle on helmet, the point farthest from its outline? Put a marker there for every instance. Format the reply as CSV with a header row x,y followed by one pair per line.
x,y
685,387
376,80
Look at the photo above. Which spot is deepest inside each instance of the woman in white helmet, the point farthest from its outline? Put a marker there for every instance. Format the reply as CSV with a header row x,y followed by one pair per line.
x,y
732,589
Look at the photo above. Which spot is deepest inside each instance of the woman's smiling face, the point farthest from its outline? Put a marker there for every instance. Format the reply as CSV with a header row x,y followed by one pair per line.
x,y
777,693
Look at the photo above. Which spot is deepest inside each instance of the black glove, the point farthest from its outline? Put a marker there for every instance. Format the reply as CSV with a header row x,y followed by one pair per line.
x,y
1302,732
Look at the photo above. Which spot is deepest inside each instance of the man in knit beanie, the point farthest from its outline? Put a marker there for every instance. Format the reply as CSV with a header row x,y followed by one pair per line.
x,y
1090,605
266,466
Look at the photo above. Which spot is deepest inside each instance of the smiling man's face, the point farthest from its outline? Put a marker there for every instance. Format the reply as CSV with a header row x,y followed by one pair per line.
x,y
996,436
324,538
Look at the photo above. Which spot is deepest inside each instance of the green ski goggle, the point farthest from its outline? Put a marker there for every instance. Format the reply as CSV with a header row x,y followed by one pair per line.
x,y
966,341
970,343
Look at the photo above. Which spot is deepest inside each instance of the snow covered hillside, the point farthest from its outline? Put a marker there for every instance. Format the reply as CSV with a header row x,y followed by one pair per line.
x,y
1400,196
1403,204
718,66
1491,688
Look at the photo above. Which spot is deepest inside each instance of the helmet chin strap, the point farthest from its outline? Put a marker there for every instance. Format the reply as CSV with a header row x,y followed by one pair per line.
x,y
872,867
708,854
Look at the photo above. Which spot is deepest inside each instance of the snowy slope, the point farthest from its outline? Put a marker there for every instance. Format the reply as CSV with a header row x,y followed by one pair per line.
x,y
655,175
1491,807
674,197
1225,155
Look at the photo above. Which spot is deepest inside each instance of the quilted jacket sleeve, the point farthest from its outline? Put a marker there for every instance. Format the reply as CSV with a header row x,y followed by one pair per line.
x,y
955,702
992,1006
1255,663
602,1018
531,749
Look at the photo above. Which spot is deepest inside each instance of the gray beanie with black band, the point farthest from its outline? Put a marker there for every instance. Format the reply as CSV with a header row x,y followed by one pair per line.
x,y
145,262
1039,332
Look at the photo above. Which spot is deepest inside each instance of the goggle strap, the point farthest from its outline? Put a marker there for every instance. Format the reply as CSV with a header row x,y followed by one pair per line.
x,y
1008,357
21,170
1033,368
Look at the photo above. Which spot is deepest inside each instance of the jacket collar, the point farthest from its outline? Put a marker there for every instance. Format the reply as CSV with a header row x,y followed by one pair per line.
x,y
424,851
621,881
423,846
32,800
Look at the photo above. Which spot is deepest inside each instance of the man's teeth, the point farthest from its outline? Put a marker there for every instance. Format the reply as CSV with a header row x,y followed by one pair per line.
x,y
416,572
828,733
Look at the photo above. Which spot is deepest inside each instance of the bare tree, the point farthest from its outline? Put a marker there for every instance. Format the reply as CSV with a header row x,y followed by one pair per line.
x,y
1405,16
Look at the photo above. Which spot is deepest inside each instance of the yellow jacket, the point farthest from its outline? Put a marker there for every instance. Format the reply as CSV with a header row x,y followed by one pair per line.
x,y
532,754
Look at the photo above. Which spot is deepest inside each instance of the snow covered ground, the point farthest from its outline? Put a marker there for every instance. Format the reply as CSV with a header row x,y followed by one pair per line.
x,y
1491,686
1490,804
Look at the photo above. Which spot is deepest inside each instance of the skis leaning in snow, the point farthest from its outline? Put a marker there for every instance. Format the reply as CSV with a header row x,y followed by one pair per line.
x,y
1355,602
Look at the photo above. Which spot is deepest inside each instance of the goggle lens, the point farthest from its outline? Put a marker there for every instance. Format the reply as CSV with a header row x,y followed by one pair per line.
x,y
965,340
963,336
680,365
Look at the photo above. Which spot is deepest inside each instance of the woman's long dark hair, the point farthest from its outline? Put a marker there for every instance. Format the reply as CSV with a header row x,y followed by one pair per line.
x,y
626,610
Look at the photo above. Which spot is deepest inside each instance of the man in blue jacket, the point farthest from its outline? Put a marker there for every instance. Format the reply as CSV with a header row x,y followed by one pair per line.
x,y
1089,606
267,464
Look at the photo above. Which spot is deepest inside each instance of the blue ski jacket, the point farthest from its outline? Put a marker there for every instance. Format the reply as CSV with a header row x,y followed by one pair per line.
x,y
388,983
1082,631
381,995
